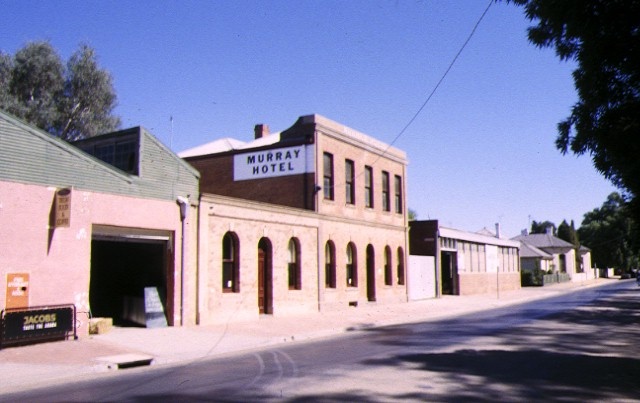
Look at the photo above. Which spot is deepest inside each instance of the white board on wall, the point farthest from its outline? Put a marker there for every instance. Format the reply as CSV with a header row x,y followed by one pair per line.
x,y
421,277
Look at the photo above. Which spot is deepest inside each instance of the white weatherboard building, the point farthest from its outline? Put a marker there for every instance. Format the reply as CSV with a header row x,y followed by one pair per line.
x,y
465,262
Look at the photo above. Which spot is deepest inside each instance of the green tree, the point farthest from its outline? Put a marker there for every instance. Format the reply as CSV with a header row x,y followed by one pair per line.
x,y
541,227
86,108
568,233
37,80
72,103
601,36
412,215
6,65
608,232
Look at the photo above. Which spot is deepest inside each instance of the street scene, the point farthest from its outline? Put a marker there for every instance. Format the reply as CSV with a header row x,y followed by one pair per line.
x,y
565,343
363,200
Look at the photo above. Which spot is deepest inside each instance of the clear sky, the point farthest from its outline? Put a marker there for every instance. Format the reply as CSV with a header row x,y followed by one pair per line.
x,y
480,152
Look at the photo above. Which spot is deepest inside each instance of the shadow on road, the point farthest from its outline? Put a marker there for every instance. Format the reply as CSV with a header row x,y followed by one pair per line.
x,y
587,354
592,353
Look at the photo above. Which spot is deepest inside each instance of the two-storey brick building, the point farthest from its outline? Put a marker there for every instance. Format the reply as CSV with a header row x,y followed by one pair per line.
x,y
307,219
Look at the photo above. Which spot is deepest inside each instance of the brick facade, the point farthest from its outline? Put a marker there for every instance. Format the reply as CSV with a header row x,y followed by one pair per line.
x,y
280,208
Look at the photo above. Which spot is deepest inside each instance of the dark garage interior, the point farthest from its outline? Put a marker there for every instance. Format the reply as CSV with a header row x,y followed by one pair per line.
x,y
120,271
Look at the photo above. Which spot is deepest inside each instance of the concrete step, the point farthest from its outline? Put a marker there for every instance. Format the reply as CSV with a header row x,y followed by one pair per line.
x,y
122,361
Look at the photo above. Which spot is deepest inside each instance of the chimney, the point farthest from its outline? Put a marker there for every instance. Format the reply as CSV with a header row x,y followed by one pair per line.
x,y
497,230
261,131
524,232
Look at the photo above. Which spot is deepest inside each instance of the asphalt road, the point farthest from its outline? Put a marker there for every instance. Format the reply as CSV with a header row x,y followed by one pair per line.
x,y
582,346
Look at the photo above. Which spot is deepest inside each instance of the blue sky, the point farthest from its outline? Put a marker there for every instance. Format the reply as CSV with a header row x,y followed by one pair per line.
x,y
480,152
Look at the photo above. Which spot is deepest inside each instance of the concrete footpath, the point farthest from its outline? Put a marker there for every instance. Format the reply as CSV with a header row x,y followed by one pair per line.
x,y
44,364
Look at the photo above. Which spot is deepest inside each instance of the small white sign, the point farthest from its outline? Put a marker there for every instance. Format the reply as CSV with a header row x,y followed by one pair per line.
x,y
271,163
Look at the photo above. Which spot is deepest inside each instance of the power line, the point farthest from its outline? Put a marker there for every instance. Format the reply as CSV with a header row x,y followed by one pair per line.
x,y
424,104
444,75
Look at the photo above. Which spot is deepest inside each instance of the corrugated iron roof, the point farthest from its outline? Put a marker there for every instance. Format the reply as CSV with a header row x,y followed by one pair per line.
x,y
543,241
530,251
228,144
476,237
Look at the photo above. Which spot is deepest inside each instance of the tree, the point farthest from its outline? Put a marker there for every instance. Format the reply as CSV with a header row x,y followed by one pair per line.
x,y
6,65
541,227
71,103
568,233
608,232
412,215
89,99
37,80
602,36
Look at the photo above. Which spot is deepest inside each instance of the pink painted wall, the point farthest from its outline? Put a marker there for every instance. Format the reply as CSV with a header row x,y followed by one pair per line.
x,y
58,261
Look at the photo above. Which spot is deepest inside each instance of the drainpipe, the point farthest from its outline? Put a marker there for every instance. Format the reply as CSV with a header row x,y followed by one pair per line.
x,y
320,266
319,233
184,212
438,262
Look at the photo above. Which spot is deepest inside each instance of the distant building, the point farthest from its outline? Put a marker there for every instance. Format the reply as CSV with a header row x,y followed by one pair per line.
x,y
532,258
310,218
466,262
554,255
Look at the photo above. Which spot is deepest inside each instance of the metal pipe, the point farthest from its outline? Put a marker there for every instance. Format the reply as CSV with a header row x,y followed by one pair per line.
x,y
184,212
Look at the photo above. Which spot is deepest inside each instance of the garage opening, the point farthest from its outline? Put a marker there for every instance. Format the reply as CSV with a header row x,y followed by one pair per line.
x,y
123,263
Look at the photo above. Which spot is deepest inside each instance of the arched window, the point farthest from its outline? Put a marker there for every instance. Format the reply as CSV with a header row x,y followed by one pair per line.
x,y
330,265
400,266
295,278
388,272
352,265
230,263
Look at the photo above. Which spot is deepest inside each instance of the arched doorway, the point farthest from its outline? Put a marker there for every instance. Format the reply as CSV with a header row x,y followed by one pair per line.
x,y
371,274
265,277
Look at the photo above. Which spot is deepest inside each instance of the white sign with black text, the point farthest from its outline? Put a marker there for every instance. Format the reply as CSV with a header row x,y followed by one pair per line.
x,y
271,163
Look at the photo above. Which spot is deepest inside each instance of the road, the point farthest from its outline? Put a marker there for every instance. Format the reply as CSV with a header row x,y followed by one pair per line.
x,y
582,346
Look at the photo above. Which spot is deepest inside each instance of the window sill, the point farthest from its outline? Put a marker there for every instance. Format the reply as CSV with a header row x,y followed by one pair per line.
x,y
230,291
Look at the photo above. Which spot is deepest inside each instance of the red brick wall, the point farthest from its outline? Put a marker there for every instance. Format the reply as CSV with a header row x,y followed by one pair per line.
x,y
217,178
485,283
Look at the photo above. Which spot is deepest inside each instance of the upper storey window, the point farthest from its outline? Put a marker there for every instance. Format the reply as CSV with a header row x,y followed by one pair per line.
x,y
349,180
368,186
386,206
120,154
328,181
397,188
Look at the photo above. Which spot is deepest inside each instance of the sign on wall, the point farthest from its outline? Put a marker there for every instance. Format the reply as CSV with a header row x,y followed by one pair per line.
x,y
37,324
17,290
272,163
63,208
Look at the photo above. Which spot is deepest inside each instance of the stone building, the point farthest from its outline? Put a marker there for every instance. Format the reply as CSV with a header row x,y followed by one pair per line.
x,y
310,218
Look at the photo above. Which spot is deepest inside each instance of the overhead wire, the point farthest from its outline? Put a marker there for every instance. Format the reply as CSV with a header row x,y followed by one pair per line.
x,y
435,88
430,96
444,75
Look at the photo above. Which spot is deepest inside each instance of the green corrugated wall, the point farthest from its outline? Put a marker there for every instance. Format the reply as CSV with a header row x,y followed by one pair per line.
x,y
29,155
